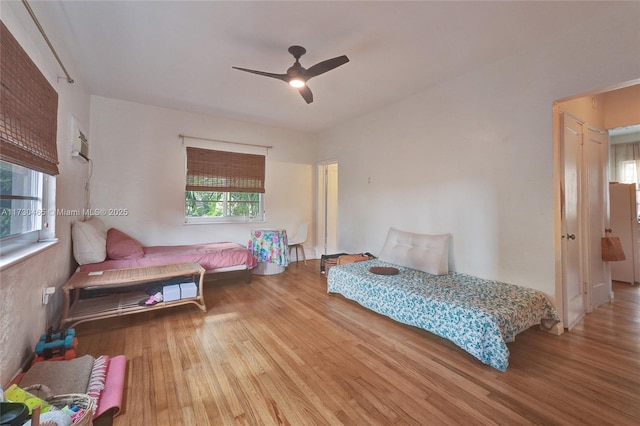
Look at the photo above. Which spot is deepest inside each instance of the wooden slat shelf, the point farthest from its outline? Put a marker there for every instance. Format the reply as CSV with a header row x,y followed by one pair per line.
x,y
124,302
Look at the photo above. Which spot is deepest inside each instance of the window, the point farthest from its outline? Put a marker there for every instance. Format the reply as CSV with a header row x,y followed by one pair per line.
x,y
224,186
20,200
630,175
28,150
26,211
629,172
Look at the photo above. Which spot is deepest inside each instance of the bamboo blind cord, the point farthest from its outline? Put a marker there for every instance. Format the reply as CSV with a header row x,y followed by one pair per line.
x,y
44,35
183,137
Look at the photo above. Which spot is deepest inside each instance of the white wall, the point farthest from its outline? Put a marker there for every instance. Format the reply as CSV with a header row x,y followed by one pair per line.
x,y
22,316
473,155
139,165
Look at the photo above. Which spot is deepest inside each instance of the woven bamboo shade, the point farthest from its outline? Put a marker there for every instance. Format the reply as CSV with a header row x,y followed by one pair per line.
x,y
28,110
210,170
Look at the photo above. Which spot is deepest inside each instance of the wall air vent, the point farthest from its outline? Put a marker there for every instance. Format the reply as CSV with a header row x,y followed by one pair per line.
x,y
80,144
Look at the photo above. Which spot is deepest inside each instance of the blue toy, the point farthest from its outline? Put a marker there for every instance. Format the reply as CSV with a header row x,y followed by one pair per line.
x,y
66,343
51,335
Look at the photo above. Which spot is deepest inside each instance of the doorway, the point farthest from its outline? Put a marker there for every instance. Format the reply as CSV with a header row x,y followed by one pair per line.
x,y
581,200
573,272
584,218
327,211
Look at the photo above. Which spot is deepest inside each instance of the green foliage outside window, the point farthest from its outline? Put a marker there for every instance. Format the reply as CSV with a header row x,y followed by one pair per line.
x,y
6,184
221,204
21,193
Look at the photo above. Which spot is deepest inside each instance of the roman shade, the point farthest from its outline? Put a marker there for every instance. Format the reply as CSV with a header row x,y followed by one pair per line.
x,y
223,171
28,110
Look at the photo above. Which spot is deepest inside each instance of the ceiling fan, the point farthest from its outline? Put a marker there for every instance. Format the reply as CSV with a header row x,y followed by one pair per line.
x,y
297,76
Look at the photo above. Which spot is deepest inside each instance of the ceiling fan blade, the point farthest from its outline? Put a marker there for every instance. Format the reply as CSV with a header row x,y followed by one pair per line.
x,y
282,77
306,94
325,66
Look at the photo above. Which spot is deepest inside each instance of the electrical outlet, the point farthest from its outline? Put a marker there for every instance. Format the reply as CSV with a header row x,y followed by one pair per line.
x,y
46,292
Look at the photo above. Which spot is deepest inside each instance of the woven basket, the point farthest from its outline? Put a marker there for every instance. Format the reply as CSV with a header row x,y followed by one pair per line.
x,y
80,400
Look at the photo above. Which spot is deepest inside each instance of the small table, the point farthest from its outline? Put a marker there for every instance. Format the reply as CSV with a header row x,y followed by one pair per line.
x,y
125,302
271,248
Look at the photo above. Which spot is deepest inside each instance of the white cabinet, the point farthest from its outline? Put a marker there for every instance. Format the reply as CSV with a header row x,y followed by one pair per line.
x,y
624,223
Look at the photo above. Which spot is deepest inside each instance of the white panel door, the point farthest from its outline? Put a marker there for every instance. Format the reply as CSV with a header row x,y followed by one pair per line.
x,y
327,213
598,277
573,288
332,209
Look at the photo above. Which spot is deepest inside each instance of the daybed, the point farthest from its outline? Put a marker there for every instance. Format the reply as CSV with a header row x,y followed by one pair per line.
x,y
478,315
96,249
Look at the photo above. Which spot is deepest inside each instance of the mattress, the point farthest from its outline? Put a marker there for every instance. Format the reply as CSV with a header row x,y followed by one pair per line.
x,y
213,257
478,315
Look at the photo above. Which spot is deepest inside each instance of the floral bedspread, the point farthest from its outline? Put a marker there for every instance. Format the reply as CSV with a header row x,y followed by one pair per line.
x,y
478,315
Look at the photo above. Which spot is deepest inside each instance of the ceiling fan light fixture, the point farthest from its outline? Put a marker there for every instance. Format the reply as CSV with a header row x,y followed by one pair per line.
x,y
297,75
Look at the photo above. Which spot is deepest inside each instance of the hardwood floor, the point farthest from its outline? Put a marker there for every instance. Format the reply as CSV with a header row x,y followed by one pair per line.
x,y
281,351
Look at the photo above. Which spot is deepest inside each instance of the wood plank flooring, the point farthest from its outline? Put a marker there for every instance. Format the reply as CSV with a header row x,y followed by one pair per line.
x,y
281,351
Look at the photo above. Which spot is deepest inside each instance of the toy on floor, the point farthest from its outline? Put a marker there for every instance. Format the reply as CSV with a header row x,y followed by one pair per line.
x,y
50,418
65,341
52,335
59,354
16,394
56,346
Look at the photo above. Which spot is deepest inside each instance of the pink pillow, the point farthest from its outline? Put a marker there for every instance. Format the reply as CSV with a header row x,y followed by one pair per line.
x,y
122,246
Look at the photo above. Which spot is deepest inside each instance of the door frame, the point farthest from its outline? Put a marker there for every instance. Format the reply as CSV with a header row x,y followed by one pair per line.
x,y
322,201
558,184
558,172
579,238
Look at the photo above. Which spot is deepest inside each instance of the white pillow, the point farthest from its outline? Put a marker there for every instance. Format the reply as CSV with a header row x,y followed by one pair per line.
x,y
89,241
428,253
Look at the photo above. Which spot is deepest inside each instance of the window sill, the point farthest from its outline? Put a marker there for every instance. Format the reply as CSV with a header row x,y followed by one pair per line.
x,y
21,254
222,222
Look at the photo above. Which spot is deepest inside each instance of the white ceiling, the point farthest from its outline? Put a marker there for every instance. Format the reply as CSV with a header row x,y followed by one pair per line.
x,y
179,54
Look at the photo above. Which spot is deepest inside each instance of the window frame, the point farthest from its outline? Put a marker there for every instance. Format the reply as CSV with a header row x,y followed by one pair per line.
x,y
226,218
28,139
25,200
15,247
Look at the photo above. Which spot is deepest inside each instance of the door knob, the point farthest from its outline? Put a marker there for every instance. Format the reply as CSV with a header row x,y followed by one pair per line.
x,y
571,236
608,230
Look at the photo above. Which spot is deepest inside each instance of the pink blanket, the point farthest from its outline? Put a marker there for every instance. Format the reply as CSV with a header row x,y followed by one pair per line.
x,y
210,256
